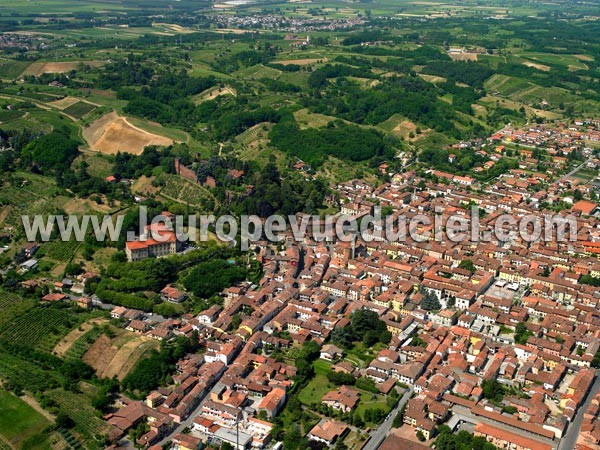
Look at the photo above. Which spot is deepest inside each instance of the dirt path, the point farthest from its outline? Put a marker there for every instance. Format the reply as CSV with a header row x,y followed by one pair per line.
x,y
35,405
65,343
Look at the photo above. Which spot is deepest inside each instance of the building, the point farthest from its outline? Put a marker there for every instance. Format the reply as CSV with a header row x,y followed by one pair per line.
x,y
158,240
506,439
343,399
142,249
328,431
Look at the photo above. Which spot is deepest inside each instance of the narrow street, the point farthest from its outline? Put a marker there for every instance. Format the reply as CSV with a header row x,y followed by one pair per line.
x,y
379,434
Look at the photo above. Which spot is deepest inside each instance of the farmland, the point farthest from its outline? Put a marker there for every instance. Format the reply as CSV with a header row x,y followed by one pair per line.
x,y
39,327
116,355
20,424
12,305
77,406
112,133
184,191
79,109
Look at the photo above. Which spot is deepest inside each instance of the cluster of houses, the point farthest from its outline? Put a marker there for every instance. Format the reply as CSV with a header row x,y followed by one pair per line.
x,y
460,314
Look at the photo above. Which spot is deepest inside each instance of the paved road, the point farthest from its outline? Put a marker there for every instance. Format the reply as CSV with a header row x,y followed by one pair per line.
x,y
569,439
185,424
564,177
378,435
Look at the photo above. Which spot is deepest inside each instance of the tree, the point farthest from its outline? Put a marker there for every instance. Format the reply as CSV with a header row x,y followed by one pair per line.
x,y
52,153
365,326
522,333
467,264
492,390
430,301
421,436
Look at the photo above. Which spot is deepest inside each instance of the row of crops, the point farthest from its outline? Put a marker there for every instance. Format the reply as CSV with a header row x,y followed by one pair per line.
x,y
11,305
82,345
28,376
78,408
39,328
59,250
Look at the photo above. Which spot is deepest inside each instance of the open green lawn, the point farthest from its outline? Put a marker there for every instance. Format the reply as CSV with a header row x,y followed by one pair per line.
x,y
585,174
371,401
318,386
20,424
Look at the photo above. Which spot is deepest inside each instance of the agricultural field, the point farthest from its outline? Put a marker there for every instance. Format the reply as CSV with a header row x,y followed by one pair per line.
x,y
113,133
73,345
79,109
41,327
20,425
87,424
117,355
12,305
184,191
39,68
61,251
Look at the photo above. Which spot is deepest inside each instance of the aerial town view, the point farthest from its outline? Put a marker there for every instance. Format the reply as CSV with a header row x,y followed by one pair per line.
x,y
300,224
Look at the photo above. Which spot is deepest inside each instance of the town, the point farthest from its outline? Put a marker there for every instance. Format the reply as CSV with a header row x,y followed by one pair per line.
x,y
496,338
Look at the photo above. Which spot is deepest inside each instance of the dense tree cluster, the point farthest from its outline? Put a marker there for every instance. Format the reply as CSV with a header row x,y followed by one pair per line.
x,y
340,140
156,370
211,277
365,326
467,72
463,440
51,153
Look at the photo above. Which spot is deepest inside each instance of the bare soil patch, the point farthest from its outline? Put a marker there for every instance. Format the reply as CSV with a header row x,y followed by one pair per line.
x,y
39,68
113,133
63,102
537,66
117,356
65,343
301,62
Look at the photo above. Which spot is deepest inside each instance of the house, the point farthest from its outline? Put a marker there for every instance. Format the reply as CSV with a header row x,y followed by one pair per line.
x,y
273,402
331,352
137,326
395,442
172,295
343,399
328,431
209,315
84,302
585,207
186,442
506,439
28,265
54,297
118,312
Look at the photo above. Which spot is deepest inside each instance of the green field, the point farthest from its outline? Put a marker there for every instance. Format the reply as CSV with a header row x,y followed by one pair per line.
x,y
79,109
41,327
11,305
318,386
20,424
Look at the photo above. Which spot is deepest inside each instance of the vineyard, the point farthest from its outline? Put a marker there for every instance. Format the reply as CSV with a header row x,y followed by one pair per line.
x,y
78,408
58,250
11,305
79,109
29,376
184,191
39,328
83,344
